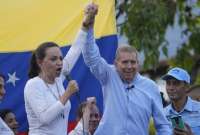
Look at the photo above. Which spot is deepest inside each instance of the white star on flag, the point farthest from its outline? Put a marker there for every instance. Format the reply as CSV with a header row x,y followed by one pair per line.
x,y
12,78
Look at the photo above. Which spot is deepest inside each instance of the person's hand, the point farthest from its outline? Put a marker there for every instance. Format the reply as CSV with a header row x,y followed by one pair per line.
x,y
186,131
72,87
89,17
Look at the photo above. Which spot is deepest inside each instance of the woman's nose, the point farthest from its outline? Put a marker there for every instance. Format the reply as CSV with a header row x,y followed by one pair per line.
x,y
59,62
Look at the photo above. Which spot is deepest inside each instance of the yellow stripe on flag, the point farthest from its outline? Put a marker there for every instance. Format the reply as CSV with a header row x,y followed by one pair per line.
x,y
27,23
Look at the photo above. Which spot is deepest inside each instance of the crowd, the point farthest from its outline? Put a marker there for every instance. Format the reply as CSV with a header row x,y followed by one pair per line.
x,y
130,99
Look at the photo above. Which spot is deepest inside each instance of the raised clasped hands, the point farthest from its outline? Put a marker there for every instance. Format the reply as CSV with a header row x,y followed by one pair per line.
x,y
90,12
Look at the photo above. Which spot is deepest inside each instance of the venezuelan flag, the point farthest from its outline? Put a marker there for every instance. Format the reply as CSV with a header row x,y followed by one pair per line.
x,y
27,23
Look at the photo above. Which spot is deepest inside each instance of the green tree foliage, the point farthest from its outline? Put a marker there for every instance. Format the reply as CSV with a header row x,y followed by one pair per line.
x,y
145,25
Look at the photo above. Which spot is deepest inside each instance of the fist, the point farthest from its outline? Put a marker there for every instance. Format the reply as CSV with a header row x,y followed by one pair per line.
x,y
72,87
90,13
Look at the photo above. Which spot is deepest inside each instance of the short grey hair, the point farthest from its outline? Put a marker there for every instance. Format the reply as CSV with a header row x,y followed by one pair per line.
x,y
126,48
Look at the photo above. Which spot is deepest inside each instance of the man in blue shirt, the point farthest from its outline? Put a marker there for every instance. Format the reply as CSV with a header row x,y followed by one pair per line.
x,y
177,82
130,99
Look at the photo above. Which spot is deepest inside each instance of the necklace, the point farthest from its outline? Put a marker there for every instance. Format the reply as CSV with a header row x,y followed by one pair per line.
x,y
57,90
62,115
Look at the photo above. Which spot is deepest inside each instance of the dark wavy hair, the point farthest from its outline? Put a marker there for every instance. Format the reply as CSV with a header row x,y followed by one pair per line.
x,y
39,53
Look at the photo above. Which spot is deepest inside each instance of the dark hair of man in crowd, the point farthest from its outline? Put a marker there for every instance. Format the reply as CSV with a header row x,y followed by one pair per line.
x,y
39,53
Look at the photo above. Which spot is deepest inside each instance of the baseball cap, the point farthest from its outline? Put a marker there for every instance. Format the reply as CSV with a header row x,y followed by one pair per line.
x,y
177,73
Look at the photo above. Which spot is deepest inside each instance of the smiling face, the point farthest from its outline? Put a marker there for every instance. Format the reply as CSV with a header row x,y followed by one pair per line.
x,y
176,89
127,65
51,64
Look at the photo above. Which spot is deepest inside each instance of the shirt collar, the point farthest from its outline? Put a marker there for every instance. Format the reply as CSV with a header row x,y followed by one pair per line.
x,y
132,83
187,107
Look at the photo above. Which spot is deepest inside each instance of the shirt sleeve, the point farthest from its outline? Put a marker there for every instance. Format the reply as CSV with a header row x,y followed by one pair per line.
x,y
74,52
161,123
98,66
36,102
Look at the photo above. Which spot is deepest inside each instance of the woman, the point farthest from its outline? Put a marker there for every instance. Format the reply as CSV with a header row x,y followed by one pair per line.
x,y
46,101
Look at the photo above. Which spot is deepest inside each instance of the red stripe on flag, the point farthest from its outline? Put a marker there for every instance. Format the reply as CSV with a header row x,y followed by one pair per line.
x,y
71,125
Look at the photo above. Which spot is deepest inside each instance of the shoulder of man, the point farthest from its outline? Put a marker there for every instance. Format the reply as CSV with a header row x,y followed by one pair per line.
x,y
195,105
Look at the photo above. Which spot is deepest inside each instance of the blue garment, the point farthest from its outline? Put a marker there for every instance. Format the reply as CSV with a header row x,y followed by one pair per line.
x,y
190,114
126,112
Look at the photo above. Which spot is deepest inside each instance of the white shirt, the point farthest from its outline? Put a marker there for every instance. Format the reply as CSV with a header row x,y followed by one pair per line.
x,y
78,130
46,114
4,129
